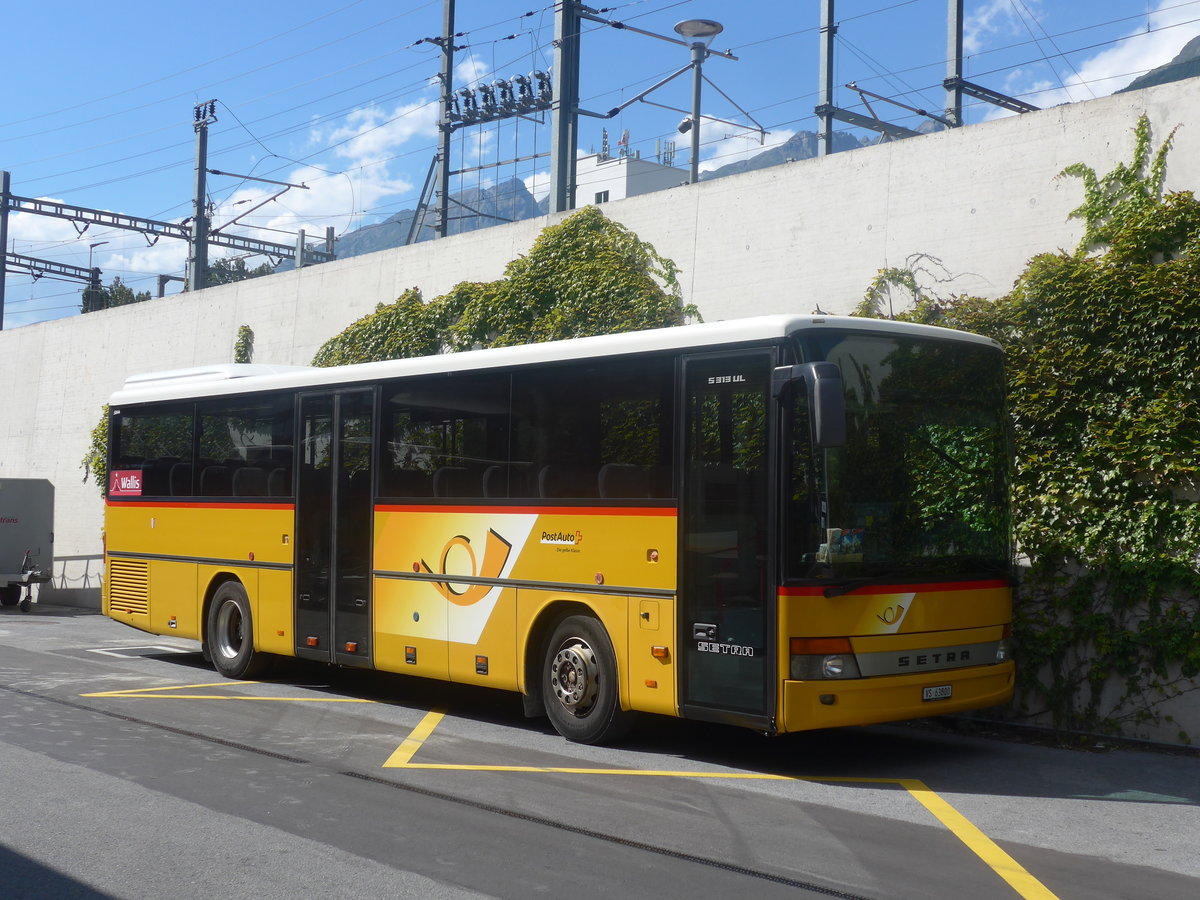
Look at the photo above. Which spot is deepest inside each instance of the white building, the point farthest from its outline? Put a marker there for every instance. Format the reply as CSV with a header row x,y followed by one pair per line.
x,y
602,178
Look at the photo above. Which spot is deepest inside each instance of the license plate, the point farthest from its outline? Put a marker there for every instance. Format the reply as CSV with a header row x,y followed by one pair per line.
x,y
941,692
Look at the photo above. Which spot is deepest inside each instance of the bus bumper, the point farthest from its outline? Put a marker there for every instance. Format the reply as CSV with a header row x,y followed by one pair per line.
x,y
865,701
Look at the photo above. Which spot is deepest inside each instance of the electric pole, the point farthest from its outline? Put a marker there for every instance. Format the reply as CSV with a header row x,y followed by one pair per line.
x,y
205,115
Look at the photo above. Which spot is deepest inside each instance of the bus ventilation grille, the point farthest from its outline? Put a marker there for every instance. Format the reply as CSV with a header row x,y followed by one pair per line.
x,y
129,586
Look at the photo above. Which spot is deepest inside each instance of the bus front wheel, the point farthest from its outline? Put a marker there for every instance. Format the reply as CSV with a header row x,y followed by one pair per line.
x,y
231,634
579,683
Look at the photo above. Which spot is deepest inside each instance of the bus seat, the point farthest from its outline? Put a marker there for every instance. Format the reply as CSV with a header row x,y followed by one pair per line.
x,y
216,481
181,479
566,481
455,481
407,483
279,482
495,481
622,480
250,481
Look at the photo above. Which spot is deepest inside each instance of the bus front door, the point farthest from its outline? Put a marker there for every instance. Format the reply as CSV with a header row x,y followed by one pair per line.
x,y
727,638
334,528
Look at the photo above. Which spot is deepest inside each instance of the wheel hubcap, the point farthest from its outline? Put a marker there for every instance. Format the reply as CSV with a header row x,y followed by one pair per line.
x,y
229,630
574,676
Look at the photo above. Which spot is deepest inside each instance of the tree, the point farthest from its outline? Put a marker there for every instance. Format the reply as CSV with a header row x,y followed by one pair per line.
x,y
1103,347
116,294
587,275
231,269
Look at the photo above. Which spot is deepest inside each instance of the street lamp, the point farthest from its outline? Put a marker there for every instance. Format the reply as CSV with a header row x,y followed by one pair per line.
x,y
92,247
700,32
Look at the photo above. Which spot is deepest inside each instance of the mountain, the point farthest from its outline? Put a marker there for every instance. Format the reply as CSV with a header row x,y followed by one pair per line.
x,y
1185,65
801,145
509,201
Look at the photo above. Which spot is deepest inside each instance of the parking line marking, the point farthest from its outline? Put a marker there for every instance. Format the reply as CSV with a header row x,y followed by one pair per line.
x,y
171,693
125,652
980,844
404,753
1017,877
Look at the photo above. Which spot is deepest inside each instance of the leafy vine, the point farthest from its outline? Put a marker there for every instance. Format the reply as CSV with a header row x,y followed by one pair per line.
x,y
1102,347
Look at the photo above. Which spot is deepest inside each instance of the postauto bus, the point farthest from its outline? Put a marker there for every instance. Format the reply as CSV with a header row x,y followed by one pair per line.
x,y
783,523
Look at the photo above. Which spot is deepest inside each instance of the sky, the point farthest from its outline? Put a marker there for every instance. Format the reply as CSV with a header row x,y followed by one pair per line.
x,y
341,96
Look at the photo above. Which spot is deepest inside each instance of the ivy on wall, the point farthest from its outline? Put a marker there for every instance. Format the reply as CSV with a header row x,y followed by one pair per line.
x,y
1103,351
586,275
243,346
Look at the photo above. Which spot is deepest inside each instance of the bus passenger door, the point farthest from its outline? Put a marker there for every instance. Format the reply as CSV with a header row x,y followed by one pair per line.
x,y
334,513
727,634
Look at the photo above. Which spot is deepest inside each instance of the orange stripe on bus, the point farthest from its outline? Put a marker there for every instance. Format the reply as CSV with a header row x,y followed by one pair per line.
x,y
534,510
175,504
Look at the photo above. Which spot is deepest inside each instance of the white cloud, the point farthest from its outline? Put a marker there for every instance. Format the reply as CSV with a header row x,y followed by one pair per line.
x,y
538,184
1137,51
995,19
371,135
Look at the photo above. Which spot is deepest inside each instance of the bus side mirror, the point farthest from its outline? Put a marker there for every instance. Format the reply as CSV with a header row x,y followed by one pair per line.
x,y
826,400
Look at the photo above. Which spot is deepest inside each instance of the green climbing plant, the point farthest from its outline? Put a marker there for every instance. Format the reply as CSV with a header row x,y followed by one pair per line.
x,y
243,346
586,275
1102,348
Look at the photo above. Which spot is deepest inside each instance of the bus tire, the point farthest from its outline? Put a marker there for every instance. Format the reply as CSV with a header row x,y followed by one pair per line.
x,y
579,683
10,595
231,634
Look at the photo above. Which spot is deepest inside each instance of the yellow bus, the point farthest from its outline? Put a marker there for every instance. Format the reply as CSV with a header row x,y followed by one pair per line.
x,y
783,523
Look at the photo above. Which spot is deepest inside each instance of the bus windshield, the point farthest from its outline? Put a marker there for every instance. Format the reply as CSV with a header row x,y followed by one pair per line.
x,y
919,489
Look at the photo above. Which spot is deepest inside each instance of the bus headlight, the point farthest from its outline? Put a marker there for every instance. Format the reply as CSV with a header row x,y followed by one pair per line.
x,y
814,659
1004,647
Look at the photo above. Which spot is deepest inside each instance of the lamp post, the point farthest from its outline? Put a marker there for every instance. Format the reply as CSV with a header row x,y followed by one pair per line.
x,y
701,32
93,288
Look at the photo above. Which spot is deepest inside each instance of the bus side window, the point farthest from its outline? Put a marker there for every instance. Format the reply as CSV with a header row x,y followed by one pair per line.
x,y
601,431
441,436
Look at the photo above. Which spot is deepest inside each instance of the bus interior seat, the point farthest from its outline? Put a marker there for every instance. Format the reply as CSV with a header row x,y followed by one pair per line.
x,y
216,481
408,483
562,481
623,480
249,481
456,481
181,479
279,482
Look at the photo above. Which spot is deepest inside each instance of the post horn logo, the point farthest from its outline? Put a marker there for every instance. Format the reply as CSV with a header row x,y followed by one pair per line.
x,y
495,554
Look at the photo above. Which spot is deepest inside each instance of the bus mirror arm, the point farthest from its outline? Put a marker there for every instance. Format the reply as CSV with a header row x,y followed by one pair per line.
x,y
826,400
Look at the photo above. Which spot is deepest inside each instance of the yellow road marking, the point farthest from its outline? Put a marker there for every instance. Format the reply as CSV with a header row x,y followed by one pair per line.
x,y
959,825
172,693
981,845
400,758
1017,877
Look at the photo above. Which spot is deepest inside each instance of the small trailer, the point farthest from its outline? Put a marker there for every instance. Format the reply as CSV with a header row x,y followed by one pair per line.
x,y
26,538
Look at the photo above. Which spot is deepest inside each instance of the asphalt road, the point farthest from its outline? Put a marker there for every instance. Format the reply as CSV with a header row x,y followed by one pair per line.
x,y
131,770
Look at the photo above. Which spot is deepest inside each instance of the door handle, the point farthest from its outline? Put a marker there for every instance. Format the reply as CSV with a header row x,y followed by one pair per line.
x,y
704,632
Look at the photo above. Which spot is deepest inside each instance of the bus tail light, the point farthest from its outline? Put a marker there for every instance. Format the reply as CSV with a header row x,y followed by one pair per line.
x,y
815,659
1004,648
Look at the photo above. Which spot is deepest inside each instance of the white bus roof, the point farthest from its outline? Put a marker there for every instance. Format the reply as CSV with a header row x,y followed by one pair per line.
x,y
234,378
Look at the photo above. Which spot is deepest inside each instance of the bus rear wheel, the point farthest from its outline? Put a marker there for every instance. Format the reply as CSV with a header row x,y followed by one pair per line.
x,y
10,595
231,634
579,683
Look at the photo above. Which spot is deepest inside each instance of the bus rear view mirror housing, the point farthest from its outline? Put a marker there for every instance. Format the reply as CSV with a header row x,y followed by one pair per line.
x,y
826,400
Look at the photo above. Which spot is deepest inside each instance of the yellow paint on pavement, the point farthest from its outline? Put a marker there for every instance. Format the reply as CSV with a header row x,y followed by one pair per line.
x,y
959,825
400,758
173,693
